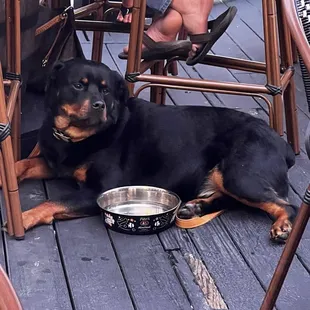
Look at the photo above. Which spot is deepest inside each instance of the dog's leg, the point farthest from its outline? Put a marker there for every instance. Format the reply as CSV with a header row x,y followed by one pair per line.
x,y
32,168
252,191
257,197
74,205
197,206
283,215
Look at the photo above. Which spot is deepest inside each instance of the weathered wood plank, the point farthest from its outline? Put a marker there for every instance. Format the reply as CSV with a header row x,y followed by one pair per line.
x,y
92,270
168,239
148,272
299,174
246,11
202,277
191,283
256,3
303,250
248,41
233,277
35,266
250,232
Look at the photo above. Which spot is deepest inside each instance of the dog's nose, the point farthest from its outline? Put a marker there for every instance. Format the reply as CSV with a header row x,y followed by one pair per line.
x,y
98,105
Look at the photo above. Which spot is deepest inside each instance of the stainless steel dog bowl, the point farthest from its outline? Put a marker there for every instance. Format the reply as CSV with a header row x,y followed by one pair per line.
x,y
138,210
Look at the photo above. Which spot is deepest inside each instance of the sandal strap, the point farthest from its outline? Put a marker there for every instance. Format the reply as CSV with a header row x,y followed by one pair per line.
x,y
215,26
125,11
200,38
148,42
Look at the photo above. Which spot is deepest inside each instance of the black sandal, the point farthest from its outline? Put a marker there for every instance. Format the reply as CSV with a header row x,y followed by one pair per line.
x,y
125,11
161,50
216,29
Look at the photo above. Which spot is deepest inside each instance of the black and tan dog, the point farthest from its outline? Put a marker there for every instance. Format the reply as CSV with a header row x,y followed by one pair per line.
x,y
98,136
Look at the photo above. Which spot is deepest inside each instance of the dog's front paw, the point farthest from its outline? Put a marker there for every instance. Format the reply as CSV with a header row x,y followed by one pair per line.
x,y
32,218
280,230
189,210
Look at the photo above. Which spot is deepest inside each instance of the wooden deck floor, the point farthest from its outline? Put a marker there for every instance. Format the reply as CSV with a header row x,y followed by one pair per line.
x,y
226,264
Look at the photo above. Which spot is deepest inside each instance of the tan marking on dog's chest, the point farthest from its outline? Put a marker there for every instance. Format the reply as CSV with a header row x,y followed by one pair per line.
x,y
80,173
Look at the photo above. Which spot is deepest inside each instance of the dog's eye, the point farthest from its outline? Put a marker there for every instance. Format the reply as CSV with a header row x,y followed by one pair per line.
x,y
105,90
78,86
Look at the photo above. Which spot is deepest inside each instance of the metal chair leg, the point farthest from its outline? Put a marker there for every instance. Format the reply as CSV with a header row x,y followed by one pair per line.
x,y
135,41
272,59
8,296
289,97
9,177
156,92
98,39
16,66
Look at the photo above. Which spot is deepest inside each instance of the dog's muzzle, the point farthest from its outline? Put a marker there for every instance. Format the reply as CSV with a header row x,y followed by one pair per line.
x,y
98,105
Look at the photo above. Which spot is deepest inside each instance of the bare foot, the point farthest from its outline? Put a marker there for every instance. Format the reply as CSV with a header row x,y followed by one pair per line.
x,y
164,29
195,14
127,17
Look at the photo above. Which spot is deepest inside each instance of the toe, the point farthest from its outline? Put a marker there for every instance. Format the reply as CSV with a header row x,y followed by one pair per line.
x,y
119,17
127,18
194,50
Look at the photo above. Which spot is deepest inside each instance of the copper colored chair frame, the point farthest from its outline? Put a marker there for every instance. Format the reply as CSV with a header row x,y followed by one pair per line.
x,y
8,297
280,82
10,115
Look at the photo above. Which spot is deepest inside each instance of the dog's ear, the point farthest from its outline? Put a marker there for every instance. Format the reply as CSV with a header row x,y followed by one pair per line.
x,y
58,66
121,88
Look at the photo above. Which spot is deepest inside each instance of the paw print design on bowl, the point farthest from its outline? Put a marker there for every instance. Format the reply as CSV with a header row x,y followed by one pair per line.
x,y
109,219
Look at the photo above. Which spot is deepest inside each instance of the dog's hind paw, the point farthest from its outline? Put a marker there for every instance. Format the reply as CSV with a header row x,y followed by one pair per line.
x,y
190,210
280,230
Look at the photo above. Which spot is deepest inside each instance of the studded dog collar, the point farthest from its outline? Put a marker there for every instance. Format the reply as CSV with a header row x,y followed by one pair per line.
x,y
60,135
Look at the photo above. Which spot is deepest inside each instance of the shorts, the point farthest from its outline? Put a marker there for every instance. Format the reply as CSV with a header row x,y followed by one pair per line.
x,y
159,5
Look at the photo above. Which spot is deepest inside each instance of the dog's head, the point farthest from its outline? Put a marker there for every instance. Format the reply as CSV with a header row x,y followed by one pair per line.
x,y
84,98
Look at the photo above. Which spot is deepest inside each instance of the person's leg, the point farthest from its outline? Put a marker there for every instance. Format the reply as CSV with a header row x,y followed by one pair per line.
x,y
193,14
165,28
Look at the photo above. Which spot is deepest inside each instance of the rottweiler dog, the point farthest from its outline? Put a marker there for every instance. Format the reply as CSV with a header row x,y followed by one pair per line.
x,y
97,135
